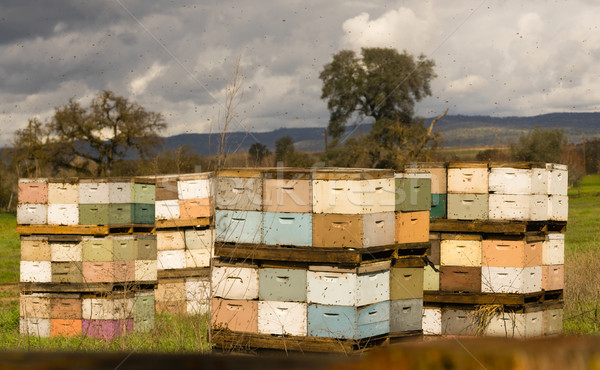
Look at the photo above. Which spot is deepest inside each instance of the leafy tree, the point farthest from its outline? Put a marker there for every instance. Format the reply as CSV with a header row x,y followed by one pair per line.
x,y
30,154
257,153
539,145
286,154
92,140
381,84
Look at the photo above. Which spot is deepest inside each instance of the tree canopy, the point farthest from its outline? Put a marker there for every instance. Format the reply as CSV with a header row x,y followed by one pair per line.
x,y
91,140
380,84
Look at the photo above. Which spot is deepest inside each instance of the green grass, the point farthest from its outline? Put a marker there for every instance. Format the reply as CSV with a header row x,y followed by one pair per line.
x,y
10,249
589,185
584,224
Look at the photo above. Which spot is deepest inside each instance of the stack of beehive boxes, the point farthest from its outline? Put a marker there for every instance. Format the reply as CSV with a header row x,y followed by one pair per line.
x,y
313,254
498,268
185,242
81,240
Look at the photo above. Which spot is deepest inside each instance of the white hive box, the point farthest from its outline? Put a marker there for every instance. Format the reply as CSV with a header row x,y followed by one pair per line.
x,y
515,325
558,178
63,214
558,208
458,322
518,280
468,180
32,214
197,258
170,240
553,250
170,260
167,210
432,321
197,307
36,272
199,239
66,252
354,196
35,327
518,207
107,308
553,321
93,192
282,318
146,270
362,286
194,188
197,289
233,282
510,181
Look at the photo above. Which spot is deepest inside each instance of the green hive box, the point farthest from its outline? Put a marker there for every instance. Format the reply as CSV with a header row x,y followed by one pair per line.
x,y
124,248
144,193
93,214
143,213
120,214
143,313
438,206
67,272
97,250
413,194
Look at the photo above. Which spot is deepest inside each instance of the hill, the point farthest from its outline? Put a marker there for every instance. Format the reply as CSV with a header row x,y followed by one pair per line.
x,y
456,131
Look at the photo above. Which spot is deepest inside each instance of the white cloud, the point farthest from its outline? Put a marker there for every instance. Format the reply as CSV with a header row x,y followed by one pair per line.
x,y
138,86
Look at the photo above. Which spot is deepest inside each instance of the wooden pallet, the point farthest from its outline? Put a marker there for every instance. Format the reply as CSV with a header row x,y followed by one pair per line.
x,y
84,229
228,341
84,287
495,227
184,273
264,252
490,298
180,223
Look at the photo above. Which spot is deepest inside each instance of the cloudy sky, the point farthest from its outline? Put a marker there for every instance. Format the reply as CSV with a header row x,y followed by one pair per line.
x,y
175,57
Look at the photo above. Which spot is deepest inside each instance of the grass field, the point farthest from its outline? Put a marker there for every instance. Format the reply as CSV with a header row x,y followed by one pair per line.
x,y
187,334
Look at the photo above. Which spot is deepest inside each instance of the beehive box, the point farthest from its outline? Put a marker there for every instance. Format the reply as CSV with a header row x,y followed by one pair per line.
x,y
33,191
199,238
468,206
460,250
235,281
35,248
197,295
412,227
97,249
431,278
519,280
35,305
460,279
94,214
353,196
63,191
144,310
65,250
282,284
166,188
35,327
195,208
557,179
287,191
348,322
526,181
458,322
106,329
438,172
195,186
515,324
432,321
413,191
553,249
171,259
65,306
236,315
63,214
239,190
353,231
146,270
553,321
511,253
93,191
438,205
238,226
67,272
558,208
145,247
288,229
331,285
276,317
196,258
170,240
36,272
32,214
406,283
468,178
167,209
406,315
553,277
